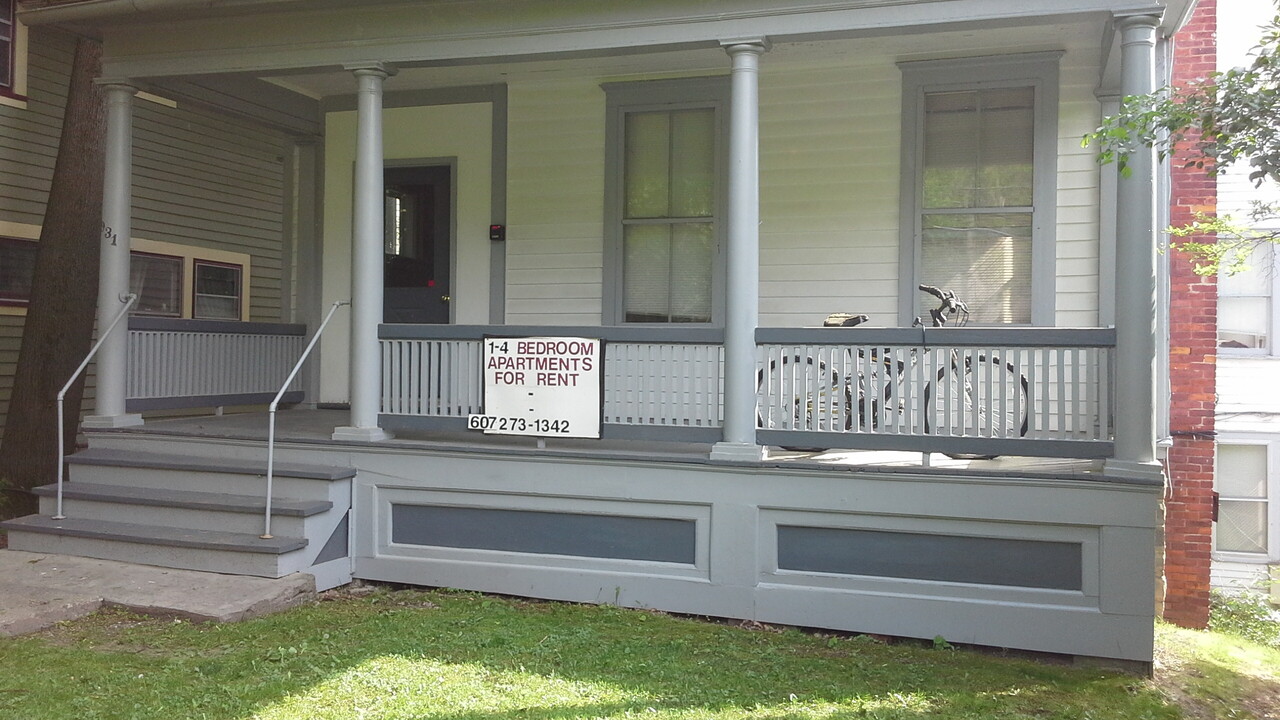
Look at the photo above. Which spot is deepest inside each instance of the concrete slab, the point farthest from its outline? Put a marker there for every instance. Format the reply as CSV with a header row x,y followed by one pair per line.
x,y
39,590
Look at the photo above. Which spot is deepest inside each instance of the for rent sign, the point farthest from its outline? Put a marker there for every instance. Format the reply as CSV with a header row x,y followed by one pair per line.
x,y
548,386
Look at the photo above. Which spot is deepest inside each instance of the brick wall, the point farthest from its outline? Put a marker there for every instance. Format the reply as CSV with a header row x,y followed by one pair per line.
x,y
1193,311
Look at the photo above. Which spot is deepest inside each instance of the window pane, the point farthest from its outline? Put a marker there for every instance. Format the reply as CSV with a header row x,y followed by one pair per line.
x,y
157,281
1243,322
692,163
648,149
6,43
978,148
693,247
1242,471
985,259
217,295
17,268
1241,527
647,271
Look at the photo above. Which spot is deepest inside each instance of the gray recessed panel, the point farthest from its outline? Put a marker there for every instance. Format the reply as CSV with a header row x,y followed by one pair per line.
x,y
920,556
551,533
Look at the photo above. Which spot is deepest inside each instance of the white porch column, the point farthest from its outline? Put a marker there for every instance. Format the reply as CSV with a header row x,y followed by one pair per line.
x,y
1135,268
742,308
366,259
113,267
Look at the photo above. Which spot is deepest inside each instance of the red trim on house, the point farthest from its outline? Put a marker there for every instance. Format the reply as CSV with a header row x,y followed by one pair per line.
x,y
1193,316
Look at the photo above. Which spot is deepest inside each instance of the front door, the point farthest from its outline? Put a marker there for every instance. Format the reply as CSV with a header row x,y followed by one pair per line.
x,y
418,225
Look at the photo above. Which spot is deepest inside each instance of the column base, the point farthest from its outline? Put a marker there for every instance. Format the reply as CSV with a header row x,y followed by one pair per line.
x,y
737,452
361,434
1151,471
106,422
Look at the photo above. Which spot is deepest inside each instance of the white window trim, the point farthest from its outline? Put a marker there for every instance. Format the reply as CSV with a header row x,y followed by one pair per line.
x,y
651,95
1038,70
1273,347
1272,444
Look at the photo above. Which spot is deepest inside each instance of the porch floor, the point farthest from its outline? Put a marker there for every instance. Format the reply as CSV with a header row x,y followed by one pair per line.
x,y
316,426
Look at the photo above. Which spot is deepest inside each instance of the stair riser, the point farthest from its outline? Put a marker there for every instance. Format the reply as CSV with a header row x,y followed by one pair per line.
x,y
219,561
201,481
205,448
207,519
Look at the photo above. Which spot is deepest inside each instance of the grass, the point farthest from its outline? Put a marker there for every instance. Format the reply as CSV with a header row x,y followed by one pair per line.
x,y
463,656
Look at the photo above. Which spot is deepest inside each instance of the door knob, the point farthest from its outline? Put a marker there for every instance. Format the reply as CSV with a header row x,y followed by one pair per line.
x,y
445,298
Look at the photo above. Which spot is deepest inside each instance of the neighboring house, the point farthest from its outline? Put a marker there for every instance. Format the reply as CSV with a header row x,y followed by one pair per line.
x,y
645,210
212,187
1223,526
1247,533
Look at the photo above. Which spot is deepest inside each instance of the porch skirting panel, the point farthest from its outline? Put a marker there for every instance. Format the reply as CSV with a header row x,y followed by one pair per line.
x,y
1054,565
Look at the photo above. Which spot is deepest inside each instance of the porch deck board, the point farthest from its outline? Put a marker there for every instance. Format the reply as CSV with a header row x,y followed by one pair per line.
x,y
315,426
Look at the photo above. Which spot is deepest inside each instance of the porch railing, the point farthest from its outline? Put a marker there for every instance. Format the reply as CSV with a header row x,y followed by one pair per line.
x,y
997,391
658,383
206,363
1007,391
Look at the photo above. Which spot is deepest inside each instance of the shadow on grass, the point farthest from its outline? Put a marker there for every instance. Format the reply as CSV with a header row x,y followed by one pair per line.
x,y
462,656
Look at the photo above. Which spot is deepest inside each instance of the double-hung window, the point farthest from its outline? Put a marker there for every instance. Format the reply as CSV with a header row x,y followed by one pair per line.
x,y
1246,317
663,256
17,267
1247,515
979,166
8,44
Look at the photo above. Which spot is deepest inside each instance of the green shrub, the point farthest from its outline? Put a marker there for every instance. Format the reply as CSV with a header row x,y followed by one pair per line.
x,y
1246,614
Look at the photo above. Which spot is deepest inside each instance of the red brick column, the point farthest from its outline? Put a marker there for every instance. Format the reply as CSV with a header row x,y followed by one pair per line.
x,y
1193,313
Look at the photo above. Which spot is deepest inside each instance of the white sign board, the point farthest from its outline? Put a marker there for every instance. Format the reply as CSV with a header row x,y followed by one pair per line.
x,y
545,386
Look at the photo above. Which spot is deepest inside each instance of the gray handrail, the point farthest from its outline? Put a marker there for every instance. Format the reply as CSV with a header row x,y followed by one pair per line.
x,y
129,300
271,411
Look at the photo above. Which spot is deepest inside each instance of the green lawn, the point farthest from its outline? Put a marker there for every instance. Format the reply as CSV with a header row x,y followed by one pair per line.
x,y
463,656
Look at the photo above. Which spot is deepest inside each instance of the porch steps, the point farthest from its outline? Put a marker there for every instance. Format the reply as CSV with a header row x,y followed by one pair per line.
x,y
209,550
196,512
179,508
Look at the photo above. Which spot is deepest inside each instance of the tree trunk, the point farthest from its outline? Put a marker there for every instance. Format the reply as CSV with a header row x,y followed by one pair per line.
x,y
60,317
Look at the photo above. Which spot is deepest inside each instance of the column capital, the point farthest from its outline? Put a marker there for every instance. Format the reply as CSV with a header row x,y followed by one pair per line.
x,y
1138,19
385,70
757,45
117,84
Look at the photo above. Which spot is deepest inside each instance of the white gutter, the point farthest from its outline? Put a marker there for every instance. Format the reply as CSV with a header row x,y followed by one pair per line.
x,y
102,9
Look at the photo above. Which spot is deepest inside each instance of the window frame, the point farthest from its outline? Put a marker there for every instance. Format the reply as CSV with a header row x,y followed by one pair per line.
x,y
1273,325
622,99
12,300
1036,70
1272,449
181,267
196,264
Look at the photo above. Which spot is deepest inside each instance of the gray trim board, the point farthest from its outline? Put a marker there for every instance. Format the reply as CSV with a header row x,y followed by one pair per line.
x,y
958,337
608,333
142,322
464,95
1079,449
1039,70
608,431
201,401
498,205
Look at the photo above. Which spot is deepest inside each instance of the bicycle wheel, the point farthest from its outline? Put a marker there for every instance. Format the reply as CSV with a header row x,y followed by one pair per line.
x,y
977,396
801,393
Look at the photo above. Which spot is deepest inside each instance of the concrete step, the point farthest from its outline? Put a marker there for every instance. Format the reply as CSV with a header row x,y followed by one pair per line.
x,y
180,508
207,550
203,474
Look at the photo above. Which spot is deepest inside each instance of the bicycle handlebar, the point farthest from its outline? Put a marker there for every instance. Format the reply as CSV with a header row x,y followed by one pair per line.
x,y
950,304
